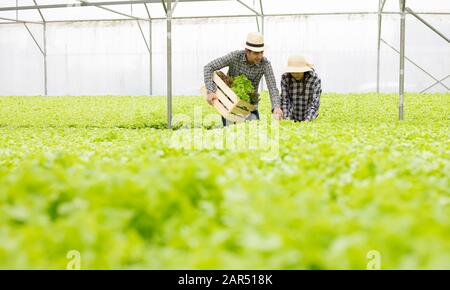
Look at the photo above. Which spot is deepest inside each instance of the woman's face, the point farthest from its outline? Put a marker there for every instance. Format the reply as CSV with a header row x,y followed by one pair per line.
x,y
297,76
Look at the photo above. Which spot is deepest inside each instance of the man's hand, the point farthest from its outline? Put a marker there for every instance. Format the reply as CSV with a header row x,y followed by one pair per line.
x,y
278,113
210,98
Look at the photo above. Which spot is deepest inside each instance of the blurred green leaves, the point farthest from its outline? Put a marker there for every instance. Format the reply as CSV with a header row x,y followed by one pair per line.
x,y
97,175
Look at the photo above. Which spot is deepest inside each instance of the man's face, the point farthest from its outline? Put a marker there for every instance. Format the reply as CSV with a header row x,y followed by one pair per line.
x,y
254,57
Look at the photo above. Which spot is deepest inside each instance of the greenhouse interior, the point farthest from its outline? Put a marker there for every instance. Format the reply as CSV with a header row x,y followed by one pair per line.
x,y
112,158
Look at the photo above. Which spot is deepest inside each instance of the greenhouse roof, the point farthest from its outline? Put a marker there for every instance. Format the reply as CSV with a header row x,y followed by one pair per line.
x,y
79,10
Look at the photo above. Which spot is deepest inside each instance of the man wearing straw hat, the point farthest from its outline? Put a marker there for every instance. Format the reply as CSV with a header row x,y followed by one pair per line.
x,y
300,90
251,63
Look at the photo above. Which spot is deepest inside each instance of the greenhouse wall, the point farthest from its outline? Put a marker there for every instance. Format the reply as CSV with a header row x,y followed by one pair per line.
x,y
111,58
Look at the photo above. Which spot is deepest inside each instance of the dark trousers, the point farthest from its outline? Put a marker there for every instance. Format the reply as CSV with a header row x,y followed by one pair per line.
x,y
255,112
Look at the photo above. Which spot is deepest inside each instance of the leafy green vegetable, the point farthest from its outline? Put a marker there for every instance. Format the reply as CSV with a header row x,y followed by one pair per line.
x,y
243,88
98,175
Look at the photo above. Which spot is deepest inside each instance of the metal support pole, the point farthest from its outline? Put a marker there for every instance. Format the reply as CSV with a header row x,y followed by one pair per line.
x,y
45,60
150,43
150,58
44,28
262,24
169,63
380,18
193,17
262,32
402,60
257,24
380,8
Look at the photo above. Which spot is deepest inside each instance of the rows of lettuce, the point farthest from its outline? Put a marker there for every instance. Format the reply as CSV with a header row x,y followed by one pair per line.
x,y
114,188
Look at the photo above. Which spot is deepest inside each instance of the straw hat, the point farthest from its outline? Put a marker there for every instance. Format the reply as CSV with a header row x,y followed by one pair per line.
x,y
298,64
255,42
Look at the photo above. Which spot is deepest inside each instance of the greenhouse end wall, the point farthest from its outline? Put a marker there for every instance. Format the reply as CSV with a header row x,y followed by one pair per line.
x,y
111,58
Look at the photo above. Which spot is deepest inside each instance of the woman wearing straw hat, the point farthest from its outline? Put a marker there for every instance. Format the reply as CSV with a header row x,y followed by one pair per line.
x,y
300,90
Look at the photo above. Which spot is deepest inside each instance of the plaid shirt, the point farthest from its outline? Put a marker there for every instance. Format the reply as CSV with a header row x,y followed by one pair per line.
x,y
295,105
237,63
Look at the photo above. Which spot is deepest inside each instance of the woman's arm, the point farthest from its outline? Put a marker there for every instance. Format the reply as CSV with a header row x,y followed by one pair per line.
x,y
313,108
286,102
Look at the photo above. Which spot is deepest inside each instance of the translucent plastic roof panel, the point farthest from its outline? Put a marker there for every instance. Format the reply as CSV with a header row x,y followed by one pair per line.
x,y
434,6
214,8
22,3
22,15
154,7
70,9
318,6
79,13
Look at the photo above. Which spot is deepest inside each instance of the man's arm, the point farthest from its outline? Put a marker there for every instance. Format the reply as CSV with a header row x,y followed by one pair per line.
x,y
272,86
285,98
313,110
214,65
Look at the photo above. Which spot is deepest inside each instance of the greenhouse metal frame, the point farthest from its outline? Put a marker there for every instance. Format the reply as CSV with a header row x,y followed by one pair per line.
x,y
169,7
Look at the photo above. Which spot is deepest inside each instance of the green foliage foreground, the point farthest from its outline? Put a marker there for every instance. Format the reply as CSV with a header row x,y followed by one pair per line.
x,y
98,175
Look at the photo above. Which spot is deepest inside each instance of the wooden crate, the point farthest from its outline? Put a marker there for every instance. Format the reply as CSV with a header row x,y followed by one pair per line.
x,y
228,104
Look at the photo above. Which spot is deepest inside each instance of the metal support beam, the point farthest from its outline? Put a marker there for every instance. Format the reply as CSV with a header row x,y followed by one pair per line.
x,y
44,31
248,7
43,51
34,39
164,6
262,32
415,64
143,36
148,12
148,45
174,6
103,3
150,54
14,21
427,24
402,60
169,64
110,3
380,10
45,60
39,10
150,59
435,83
111,10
